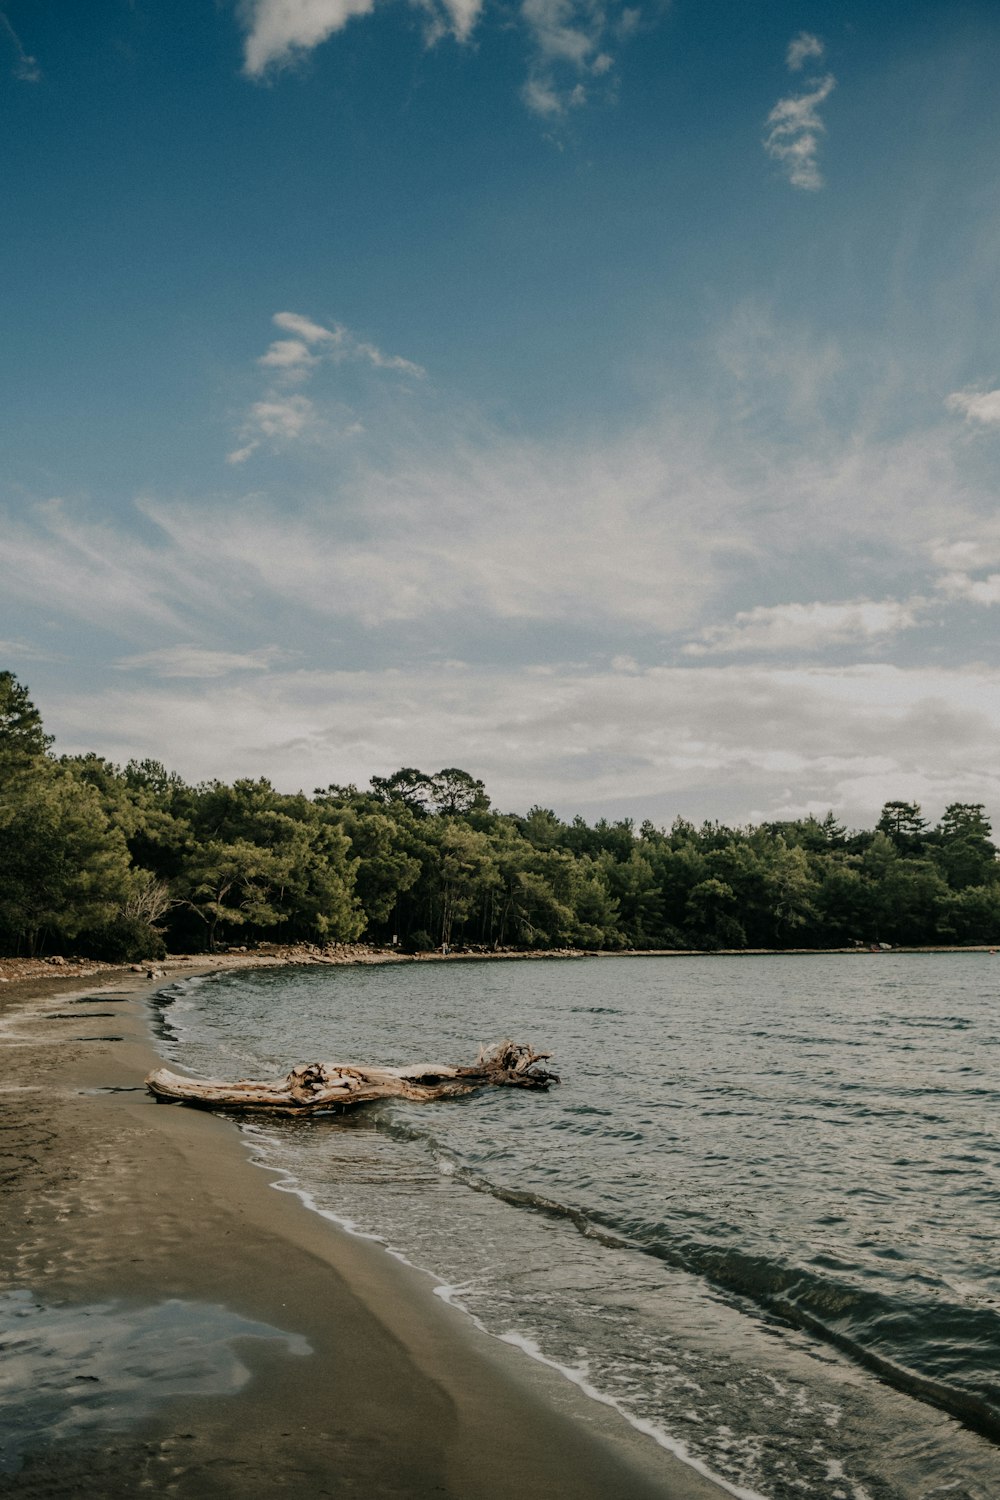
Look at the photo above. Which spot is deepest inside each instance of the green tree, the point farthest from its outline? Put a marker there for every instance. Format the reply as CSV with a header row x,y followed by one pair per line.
x,y
632,884
466,871
23,741
456,793
903,824
909,901
63,867
963,847
975,914
710,916
230,885
843,901
385,870
408,786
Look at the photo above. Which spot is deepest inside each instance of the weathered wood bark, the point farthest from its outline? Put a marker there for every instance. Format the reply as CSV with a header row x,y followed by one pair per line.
x,y
324,1088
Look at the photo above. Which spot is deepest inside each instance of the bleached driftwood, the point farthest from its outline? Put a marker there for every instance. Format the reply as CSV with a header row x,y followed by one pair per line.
x,y
321,1088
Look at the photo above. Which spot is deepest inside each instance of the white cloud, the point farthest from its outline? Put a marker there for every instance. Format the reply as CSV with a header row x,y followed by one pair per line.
x,y
801,48
971,590
705,740
198,661
808,627
437,533
965,560
305,328
288,354
568,46
449,523
565,37
337,343
287,418
558,34
976,406
280,31
541,97
443,522
793,134
463,15
283,418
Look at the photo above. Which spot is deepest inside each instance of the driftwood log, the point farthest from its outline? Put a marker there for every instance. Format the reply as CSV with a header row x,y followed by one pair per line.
x,y
324,1088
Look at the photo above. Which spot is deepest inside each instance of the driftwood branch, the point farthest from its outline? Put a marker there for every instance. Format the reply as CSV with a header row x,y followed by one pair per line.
x,y
323,1088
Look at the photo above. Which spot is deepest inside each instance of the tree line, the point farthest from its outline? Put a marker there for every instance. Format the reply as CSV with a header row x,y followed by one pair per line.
x,y
127,862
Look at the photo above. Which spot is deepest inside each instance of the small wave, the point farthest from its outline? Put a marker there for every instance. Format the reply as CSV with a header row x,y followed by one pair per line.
x,y
578,1374
920,1347
451,1295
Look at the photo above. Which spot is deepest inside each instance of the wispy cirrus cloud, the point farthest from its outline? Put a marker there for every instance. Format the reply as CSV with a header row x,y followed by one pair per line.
x,y
794,127
572,569
18,650
435,516
26,67
199,661
448,522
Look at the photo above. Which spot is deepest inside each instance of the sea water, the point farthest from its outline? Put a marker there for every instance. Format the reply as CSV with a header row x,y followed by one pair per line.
x,y
758,1215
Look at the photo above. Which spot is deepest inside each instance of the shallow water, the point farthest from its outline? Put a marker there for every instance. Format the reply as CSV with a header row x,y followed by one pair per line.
x,y
758,1215
81,1368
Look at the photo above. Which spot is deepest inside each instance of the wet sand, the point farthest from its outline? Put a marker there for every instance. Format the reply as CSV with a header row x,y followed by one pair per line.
x,y
140,1250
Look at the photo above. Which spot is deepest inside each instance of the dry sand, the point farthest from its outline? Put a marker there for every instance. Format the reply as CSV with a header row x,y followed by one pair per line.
x,y
140,1251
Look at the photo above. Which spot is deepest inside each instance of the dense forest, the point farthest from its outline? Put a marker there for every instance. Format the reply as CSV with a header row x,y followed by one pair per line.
x,y
125,862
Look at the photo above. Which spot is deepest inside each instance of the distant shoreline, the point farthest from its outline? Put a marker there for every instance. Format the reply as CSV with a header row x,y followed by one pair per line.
x,y
18,973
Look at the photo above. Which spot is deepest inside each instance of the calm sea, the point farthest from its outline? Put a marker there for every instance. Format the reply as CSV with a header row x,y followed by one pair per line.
x,y
759,1215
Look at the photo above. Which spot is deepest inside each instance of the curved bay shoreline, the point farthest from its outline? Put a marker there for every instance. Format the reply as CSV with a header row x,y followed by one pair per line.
x,y
57,969
113,1204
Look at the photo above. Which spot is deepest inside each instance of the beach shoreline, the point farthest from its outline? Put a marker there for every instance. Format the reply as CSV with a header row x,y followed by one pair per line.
x,y
16,973
118,1207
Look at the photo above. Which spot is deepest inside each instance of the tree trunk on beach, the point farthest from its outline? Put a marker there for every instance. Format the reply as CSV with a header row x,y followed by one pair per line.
x,y
322,1088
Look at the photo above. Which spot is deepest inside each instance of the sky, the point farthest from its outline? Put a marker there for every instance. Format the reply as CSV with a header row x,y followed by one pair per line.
x,y
603,398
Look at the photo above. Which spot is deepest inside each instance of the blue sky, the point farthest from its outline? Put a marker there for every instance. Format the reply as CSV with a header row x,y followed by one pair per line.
x,y
605,399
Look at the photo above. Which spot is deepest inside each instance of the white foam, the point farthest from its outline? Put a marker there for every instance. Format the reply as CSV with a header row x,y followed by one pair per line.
x,y
450,1294
664,1439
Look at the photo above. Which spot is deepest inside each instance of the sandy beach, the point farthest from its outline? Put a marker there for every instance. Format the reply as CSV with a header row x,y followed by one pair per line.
x,y
175,1326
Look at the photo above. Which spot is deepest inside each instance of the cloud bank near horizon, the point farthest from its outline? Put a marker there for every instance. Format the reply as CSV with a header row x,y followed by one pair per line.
x,y
735,742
